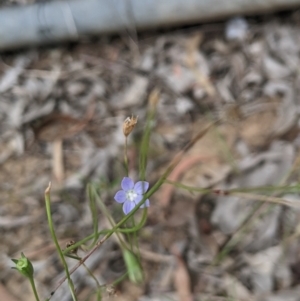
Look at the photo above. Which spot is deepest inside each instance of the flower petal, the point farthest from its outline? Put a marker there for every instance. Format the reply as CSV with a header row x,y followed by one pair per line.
x,y
128,206
120,196
146,204
138,198
127,184
141,187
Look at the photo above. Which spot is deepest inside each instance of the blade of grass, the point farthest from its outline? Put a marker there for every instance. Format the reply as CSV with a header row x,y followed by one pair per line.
x,y
153,99
236,192
93,208
258,210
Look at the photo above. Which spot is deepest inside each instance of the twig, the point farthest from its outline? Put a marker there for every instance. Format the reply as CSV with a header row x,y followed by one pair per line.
x,y
184,165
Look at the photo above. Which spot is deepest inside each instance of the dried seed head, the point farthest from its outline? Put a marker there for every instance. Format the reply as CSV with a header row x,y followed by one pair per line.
x,y
111,290
71,243
129,124
154,98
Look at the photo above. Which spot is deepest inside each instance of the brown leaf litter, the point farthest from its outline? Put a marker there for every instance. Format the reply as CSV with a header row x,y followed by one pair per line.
x,y
232,248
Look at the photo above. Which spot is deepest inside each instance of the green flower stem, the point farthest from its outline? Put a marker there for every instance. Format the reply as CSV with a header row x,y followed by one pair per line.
x,y
135,238
108,216
277,189
189,188
34,288
126,157
102,232
105,231
94,213
92,275
86,268
235,192
132,264
51,227
145,145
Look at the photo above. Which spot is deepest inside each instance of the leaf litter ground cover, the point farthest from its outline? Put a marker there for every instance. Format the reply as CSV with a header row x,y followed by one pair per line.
x,y
225,224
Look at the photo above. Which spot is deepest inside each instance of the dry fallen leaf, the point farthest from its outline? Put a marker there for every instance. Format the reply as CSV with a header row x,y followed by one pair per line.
x,y
182,281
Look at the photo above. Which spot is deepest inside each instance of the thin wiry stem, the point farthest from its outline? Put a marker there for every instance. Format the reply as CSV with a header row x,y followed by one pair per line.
x,y
34,288
52,231
126,157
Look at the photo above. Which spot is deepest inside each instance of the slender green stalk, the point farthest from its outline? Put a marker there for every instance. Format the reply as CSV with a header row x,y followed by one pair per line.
x,y
144,147
135,241
236,192
145,144
128,235
52,231
92,275
226,149
189,188
108,216
93,209
126,157
76,257
34,288
105,231
99,295
258,210
133,267
244,193
277,189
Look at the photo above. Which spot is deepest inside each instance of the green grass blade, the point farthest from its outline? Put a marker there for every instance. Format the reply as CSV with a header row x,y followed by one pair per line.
x,y
153,98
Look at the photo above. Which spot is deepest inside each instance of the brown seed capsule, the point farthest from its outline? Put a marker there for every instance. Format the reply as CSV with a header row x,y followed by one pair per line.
x,y
71,243
111,290
153,99
129,124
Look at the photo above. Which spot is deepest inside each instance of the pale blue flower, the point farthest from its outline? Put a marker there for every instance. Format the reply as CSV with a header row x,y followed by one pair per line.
x,y
131,194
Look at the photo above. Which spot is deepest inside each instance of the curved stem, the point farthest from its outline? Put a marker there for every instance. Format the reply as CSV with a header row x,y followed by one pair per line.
x,y
51,227
34,289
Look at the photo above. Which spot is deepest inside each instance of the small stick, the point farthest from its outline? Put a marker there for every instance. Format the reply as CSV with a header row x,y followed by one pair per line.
x,y
57,163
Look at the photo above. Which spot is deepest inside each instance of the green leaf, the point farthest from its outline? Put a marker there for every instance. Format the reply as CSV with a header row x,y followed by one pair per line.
x,y
135,272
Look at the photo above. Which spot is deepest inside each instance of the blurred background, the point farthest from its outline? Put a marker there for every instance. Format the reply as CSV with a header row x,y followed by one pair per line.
x,y
72,71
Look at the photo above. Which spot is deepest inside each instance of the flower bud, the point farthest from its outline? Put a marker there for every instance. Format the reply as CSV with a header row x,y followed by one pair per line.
x,y
129,124
24,266
153,99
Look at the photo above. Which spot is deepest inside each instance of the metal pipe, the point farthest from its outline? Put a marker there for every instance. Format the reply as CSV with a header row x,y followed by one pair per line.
x,y
49,22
